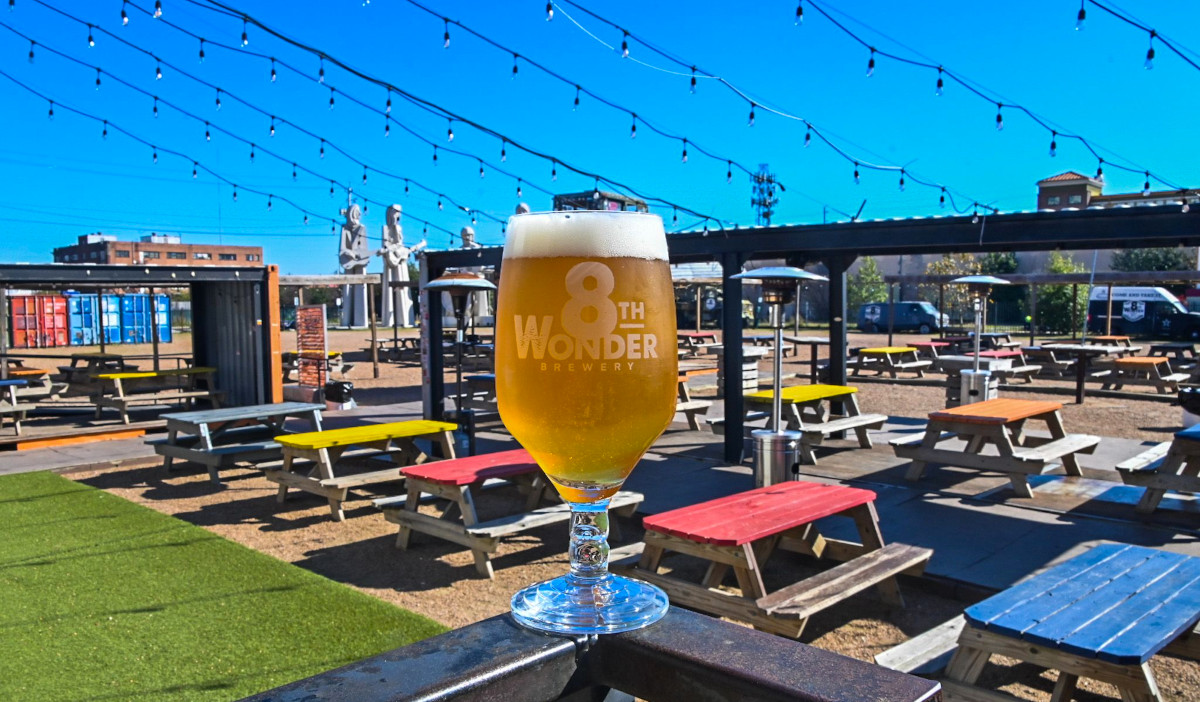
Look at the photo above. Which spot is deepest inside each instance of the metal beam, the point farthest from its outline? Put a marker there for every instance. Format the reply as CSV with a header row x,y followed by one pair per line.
x,y
87,275
1111,277
330,280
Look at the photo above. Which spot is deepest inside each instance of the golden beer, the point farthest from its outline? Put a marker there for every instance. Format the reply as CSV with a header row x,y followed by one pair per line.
x,y
586,367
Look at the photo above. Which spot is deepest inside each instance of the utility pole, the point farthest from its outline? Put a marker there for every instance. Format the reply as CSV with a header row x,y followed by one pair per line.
x,y
764,199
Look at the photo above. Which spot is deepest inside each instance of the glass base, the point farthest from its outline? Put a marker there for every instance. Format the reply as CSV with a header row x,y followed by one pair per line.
x,y
606,605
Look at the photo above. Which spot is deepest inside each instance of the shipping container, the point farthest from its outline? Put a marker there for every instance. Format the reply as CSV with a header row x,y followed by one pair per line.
x,y
84,315
110,318
136,319
39,321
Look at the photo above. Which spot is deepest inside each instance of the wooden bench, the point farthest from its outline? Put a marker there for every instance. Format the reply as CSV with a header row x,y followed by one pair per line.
x,y
797,399
327,449
926,654
11,405
39,386
741,532
1050,364
453,483
891,360
123,397
1172,465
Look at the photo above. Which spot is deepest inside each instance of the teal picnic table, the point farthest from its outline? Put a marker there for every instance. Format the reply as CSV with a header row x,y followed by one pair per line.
x,y
1102,615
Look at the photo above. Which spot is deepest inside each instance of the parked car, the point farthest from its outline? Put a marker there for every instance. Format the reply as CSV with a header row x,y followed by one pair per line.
x,y
1141,311
920,317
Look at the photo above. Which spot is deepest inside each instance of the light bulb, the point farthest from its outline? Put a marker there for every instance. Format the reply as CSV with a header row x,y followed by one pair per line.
x,y
154,155
91,40
274,75
554,170
633,128
207,133
446,34
800,13
435,155
201,51
901,180
194,173
218,99
871,63
406,186
518,188
439,203
1149,65
306,219
1100,170
625,45
97,79
235,193
124,16
729,171
1053,144
157,70
387,127
157,9
321,153
503,151
364,175
940,83
1146,185
450,131
269,198
857,180
252,153
293,171
272,125
50,114
576,105
321,71
387,108
156,108
245,37
807,137
331,188
514,71
751,123
684,159
481,173
104,134
1079,18
942,199
999,118
674,217
549,11
692,89
331,92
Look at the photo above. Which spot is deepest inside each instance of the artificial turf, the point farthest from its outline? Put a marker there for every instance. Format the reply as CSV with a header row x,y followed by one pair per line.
x,y
104,599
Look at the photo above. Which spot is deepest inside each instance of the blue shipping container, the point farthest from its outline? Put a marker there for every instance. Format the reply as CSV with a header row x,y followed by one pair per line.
x,y
136,319
110,318
83,313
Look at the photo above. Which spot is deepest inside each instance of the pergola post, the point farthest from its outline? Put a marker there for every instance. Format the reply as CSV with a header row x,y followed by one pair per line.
x,y
837,317
731,339
431,342
154,329
891,312
1033,317
374,329
1074,308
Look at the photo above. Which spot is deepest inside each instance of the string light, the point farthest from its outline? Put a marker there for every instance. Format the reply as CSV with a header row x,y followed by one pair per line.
x,y
157,70
481,173
387,126
124,15
439,203
554,170
674,217
1150,52
104,134
272,125
692,89
156,108
503,150
449,130
751,123
514,72
331,188
387,108
1100,170
252,153
322,151
207,134
942,198
800,13
901,180
975,214
684,159
473,220
857,180
195,173
157,9
274,75
1053,144
91,40
201,51
364,180
1146,185
519,189
940,83
871,63
406,186
218,103
269,198
154,154
1079,18
50,114
235,192
596,190
807,136
633,128
625,45
293,171
576,105
306,219
729,171
435,154
549,11
245,36
446,33
321,71
97,79
999,117
331,94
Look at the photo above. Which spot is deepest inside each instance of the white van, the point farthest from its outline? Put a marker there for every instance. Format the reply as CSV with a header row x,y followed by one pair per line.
x,y
1141,311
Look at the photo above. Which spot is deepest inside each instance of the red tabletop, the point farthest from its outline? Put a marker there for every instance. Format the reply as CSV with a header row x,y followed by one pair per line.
x,y
929,344
755,514
1000,411
1002,353
956,339
472,469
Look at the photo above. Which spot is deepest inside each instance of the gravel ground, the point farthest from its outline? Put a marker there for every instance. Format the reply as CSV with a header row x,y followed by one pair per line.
x,y
439,580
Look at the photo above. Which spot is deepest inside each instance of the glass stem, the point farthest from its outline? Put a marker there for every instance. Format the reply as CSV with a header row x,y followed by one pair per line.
x,y
589,543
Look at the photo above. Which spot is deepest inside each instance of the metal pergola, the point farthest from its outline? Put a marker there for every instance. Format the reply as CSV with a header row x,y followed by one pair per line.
x,y
837,246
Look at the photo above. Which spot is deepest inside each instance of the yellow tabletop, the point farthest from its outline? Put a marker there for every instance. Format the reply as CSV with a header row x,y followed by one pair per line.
x,y
798,394
364,434
889,349
198,370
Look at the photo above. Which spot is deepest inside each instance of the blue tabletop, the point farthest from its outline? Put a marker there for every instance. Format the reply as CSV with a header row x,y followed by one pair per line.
x,y
13,381
1191,433
1116,603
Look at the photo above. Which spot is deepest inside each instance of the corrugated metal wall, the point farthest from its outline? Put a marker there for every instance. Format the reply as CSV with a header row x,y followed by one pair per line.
x,y
229,320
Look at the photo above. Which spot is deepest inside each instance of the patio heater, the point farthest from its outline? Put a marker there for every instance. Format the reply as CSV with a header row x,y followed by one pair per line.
x,y
776,451
976,384
460,286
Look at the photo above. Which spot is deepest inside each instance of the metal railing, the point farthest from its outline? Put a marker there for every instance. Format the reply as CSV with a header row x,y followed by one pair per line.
x,y
685,657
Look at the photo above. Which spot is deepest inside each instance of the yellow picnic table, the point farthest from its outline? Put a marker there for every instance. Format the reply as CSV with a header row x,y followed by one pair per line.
x,y
123,390
891,359
327,449
815,398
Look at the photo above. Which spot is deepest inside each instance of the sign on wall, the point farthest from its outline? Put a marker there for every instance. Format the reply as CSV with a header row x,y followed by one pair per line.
x,y
311,346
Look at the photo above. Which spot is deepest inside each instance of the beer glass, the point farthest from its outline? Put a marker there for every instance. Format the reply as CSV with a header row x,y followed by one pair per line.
x,y
586,380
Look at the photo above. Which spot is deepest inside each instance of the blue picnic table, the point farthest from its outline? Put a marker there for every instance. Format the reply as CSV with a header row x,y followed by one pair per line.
x,y
1101,615
9,404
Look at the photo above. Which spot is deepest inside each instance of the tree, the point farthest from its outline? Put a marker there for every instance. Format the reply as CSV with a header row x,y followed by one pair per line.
x,y
866,285
1008,301
1062,308
956,299
1164,259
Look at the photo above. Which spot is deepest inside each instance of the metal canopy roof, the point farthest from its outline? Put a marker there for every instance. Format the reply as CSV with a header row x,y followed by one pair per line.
x,y
82,275
1018,231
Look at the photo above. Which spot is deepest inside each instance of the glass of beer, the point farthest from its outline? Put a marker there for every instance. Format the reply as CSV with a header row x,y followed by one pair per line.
x,y
586,380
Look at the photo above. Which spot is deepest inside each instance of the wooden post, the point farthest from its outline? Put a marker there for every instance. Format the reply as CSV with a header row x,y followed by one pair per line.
x,y
699,290
374,329
891,311
731,339
837,266
396,318
1108,319
942,310
1074,308
300,295
796,315
154,328
1033,318
100,305
3,334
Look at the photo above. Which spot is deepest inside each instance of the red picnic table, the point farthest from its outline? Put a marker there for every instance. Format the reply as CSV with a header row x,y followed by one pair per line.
x,y
930,348
742,531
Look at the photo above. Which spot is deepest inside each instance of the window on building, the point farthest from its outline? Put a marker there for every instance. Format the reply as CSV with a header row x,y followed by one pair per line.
x,y
253,257
1053,200
202,256
176,255
122,254
227,257
1075,200
151,254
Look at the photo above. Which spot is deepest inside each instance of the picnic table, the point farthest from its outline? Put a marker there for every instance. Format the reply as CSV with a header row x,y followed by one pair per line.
x,y
1181,351
327,452
481,393
398,349
813,343
743,531
690,408
931,349
1084,353
1019,369
38,383
998,341
456,483
958,344
334,362
1154,371
1170,465
85,366
124,390
1124,344
10,405
1102,615
766,340
220,438
797,399
892,360
1000,422
693,342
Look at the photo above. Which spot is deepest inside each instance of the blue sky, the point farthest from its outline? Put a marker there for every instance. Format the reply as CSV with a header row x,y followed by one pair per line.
x,y
61,179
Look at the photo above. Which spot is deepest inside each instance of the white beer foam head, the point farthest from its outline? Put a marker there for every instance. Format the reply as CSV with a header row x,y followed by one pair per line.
x,y
586,234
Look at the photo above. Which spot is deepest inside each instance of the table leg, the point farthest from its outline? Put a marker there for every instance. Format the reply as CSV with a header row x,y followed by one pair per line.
x,y
1171,466
866,519
749,577
812,372
1057,431
172,434
281,494
325,468
1081,364
932,433
1064,687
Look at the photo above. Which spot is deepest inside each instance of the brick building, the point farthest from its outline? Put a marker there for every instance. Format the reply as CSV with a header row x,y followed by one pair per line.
x,y
156,250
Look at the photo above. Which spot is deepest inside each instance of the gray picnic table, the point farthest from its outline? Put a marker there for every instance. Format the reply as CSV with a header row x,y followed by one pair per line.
x,y
220,438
